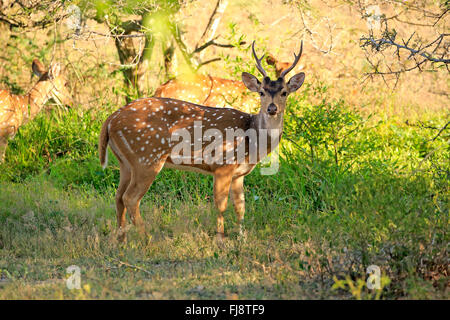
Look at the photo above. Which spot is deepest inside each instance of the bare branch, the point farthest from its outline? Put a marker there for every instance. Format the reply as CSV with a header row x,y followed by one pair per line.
x,y
417,51
441,130
207,62
378,43
213,43
213,23
313,34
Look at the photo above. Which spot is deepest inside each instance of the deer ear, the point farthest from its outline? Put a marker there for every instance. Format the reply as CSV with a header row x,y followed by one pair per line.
x,y
250,81
38,68
296,82
55,70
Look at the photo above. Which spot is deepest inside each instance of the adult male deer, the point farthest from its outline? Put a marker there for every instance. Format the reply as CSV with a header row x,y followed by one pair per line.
x,y
16,110
214,91
141,135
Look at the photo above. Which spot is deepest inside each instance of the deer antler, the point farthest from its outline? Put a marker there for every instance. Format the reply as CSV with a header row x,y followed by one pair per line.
x,y
297,58
258,61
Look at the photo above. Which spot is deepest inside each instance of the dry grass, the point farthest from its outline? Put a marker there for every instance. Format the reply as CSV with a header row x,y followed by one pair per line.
x,y
180,260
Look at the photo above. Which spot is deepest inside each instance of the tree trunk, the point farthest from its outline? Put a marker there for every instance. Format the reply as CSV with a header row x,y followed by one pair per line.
x,y
134,63
213,24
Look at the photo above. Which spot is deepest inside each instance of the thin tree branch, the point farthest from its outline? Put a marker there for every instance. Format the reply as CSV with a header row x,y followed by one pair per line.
x,y
213,24
213,43
377,43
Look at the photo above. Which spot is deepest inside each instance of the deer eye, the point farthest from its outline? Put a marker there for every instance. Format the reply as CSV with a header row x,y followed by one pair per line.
x,y
261,94
284,94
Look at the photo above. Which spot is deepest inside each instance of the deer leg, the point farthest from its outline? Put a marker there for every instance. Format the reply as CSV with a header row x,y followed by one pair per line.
x,y
132,198
237,191
141,180
125,178
222,181
3,145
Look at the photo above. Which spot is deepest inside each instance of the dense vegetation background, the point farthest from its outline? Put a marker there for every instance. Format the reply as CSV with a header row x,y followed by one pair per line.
x,y
364,173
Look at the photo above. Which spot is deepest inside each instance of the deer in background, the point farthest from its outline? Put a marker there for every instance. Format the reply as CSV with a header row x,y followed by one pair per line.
x,y
209,91
214,91
142,137
278,65
16,110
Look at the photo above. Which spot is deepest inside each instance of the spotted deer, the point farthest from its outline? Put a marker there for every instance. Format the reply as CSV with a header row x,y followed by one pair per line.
x,y
16,110
215,91
142,136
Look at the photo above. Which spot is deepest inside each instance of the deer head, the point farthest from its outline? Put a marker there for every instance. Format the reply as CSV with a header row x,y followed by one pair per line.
x,y
16,110
52,84
273,93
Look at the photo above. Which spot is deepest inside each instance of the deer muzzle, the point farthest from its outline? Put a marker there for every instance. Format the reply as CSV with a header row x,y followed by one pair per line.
x,y
272,109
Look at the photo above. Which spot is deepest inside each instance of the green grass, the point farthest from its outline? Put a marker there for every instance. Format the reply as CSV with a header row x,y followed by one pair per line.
x,y
351,192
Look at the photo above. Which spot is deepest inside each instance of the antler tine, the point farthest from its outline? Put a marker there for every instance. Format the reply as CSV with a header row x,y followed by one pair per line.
x,y
297,58
258,61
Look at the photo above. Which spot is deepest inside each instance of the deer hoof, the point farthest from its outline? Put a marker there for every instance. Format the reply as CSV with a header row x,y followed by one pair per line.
x,y
220,237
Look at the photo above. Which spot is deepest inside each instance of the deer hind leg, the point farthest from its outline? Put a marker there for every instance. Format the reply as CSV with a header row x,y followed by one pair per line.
x,y
125,178
141,180
237,191
222,181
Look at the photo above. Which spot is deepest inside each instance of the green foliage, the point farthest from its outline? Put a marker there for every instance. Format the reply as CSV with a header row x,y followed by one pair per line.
x,y
69,134
235,63
356,288
329,129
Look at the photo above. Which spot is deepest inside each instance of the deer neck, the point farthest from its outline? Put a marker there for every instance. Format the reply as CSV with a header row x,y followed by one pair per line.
x,y
36,99
264,121
270,126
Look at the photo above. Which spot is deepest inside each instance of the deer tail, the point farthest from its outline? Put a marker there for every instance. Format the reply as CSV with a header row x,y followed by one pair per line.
x,y
103,144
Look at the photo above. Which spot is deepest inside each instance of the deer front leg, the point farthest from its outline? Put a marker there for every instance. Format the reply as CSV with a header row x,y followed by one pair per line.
x,y
222,181
237,191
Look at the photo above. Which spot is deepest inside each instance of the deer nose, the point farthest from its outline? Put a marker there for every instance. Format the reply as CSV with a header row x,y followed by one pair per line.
x,y
272,109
